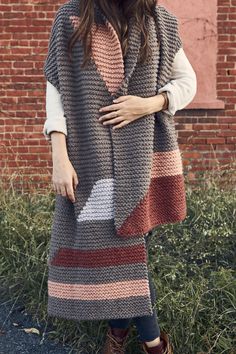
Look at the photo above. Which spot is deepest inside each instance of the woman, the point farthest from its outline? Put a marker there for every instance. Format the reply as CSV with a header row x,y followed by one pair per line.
x,y
116,74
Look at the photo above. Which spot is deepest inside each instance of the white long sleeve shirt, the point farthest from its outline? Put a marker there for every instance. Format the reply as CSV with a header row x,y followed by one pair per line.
x,y
180,90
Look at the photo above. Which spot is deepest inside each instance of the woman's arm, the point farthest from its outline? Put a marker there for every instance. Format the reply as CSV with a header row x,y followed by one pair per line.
x,y
64,177
55,120
182,87
180,91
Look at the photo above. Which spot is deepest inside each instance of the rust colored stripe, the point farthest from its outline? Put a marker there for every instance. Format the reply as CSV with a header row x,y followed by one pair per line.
x,y
165,202
69,257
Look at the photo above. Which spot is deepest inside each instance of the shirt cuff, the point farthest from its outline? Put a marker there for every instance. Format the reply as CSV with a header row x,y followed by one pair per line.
x,y
171,97
55,125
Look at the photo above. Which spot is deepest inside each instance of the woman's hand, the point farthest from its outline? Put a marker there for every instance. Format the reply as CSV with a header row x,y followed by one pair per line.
x,y
127,109
64,177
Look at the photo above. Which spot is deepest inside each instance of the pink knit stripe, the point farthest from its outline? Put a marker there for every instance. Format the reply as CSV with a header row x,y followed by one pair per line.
x,y
105,291
107,54
75,20
166,163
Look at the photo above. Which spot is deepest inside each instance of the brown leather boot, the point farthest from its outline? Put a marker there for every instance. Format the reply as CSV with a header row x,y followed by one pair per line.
x,y
116,339
164,347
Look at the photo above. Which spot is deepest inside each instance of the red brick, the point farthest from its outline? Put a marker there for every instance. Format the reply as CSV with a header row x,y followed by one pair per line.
x,y
215,141
206,137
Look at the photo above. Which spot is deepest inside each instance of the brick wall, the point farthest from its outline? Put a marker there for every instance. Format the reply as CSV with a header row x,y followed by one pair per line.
x,y
206,137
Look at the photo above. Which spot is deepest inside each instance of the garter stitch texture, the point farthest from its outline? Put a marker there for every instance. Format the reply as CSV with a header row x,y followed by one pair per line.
x,y
130,179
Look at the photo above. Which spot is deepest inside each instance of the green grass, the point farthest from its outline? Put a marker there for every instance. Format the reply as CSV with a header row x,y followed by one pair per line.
x,y
192,262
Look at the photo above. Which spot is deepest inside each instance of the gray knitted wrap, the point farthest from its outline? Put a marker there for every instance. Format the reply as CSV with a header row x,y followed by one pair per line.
x,y
130,179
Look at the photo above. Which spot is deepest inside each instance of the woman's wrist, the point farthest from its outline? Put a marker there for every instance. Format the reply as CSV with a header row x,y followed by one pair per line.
x,y
157,103
166,103
59,147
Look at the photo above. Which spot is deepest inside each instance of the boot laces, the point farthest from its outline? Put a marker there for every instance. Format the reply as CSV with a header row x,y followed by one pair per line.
x,y
117,348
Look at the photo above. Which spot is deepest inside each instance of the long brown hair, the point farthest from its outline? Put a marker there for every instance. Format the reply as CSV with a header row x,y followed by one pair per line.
x,y
118,12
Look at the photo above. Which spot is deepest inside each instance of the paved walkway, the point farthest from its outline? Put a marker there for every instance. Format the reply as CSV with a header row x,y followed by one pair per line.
x,y
14,340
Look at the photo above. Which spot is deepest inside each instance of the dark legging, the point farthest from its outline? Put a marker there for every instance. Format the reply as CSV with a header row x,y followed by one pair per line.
x,y
147,326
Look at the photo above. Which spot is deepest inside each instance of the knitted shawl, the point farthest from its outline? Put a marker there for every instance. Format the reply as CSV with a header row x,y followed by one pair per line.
x,y
130,179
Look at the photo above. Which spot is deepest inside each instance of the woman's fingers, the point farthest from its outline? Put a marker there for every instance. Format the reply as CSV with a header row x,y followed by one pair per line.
x,y
62,188
75,180
65,189
64,179
56,188
122,124
70,191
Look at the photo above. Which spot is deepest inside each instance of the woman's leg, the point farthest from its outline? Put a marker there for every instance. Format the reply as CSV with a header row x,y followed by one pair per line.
x,y
147,326
119,323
